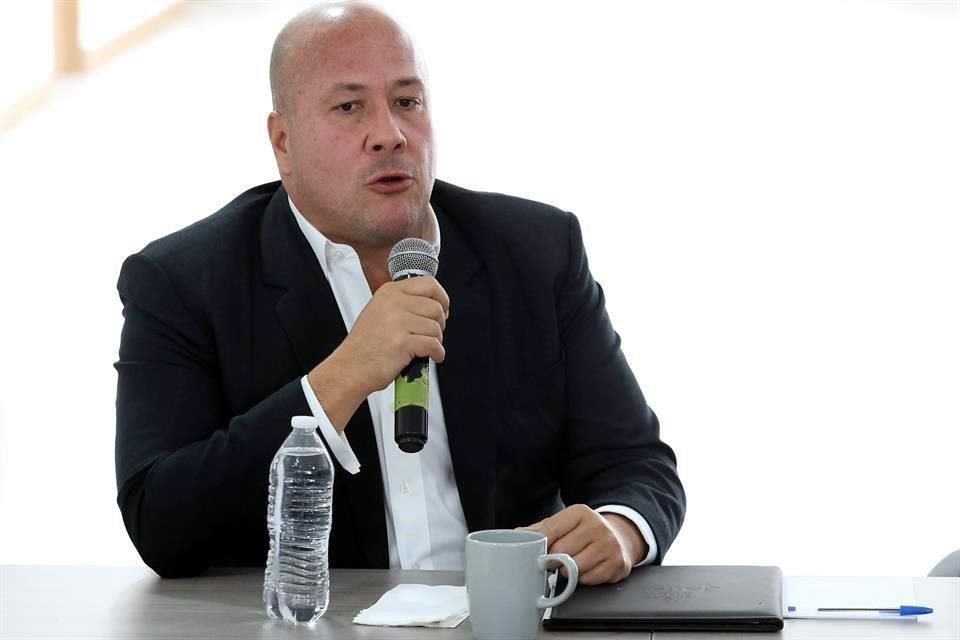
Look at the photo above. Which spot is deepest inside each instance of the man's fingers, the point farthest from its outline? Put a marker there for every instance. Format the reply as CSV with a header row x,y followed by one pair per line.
x,y
603,573
427,347
573,543
427,308
558,525
426,286
425,327
589,558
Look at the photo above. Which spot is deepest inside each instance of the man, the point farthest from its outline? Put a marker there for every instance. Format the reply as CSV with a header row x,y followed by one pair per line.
x,y
280,304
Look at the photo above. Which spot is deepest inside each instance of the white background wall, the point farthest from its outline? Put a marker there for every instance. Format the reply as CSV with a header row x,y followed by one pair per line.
x,y
769,193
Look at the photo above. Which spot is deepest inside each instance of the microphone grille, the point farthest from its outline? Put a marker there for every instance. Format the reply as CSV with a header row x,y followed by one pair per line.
x,y
412,257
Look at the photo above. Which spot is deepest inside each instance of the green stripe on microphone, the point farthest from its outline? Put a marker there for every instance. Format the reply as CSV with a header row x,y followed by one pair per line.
x,y
412,391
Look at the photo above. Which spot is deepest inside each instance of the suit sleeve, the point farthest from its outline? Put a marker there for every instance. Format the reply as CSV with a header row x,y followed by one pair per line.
x,y
614,454
185,466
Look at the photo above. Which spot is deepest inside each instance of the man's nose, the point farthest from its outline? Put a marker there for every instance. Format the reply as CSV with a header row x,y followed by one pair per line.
x,y
385,135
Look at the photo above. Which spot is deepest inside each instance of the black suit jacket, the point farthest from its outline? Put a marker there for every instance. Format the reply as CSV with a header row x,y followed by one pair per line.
x,y
224,317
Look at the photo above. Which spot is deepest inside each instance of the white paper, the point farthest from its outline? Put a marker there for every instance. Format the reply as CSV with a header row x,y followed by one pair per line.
x,y
417,605
804,595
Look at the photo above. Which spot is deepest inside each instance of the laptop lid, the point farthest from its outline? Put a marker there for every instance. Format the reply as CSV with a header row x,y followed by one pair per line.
x,y
677,598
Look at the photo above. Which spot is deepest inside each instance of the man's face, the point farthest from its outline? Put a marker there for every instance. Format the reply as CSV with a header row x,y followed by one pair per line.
x,y
360,140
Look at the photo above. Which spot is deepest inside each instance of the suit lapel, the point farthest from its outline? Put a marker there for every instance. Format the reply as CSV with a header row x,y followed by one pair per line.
x,y
311,319
469,410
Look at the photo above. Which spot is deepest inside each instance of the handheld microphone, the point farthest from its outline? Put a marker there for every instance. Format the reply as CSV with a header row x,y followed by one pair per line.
x,y
410,258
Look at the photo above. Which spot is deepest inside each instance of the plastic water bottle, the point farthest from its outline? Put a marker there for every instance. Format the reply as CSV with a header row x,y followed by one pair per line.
x,y
296,585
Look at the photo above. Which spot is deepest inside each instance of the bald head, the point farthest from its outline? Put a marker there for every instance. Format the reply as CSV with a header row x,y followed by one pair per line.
x,y
351,128
308,36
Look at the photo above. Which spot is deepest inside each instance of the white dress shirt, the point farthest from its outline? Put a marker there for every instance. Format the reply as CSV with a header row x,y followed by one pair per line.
x,y
425,522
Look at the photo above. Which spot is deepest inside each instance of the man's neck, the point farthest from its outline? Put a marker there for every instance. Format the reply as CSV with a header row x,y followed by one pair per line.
x,y
373,261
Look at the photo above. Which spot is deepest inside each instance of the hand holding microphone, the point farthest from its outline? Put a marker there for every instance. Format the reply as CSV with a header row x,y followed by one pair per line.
x,y
400,328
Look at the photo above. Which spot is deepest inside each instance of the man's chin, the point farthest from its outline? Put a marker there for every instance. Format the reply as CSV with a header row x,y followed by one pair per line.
x,y
392,225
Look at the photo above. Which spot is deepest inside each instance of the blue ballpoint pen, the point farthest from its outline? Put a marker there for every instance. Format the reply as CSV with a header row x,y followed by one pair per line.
x,y
904,610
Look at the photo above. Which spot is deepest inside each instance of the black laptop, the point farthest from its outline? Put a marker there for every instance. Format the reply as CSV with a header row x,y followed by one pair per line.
x,y
677,598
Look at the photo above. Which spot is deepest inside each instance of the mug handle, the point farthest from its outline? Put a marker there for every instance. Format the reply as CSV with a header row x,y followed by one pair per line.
x,y
573,575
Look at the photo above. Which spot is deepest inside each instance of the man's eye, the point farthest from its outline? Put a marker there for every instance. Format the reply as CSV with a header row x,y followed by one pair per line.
x,y
408,103
348,107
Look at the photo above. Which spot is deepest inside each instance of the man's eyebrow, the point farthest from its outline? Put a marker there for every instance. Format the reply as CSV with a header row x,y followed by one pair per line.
x,y
408,82
352,87
356,87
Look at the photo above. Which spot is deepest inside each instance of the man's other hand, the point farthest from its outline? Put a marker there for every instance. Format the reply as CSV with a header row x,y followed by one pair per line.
x,y
605,546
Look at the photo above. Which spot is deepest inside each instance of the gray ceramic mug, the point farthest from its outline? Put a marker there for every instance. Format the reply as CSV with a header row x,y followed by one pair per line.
x,y
506,582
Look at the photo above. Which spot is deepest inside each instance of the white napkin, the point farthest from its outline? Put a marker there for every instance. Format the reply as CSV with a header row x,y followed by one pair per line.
x,y
417,605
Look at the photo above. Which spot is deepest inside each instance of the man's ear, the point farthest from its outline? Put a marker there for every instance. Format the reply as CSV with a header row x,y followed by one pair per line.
x,y
278,130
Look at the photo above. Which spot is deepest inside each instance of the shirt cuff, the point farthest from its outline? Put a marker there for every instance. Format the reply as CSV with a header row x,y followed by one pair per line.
x,y
642,526
336,441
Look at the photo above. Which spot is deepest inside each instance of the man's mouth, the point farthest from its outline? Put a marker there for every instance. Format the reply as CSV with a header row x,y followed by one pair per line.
x,y
391,175
391,183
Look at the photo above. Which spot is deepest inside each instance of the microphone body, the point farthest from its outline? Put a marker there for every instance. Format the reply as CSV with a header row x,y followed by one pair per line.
x,y
410,258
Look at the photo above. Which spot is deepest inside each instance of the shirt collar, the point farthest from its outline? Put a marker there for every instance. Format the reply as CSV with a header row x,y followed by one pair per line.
x,y
325,249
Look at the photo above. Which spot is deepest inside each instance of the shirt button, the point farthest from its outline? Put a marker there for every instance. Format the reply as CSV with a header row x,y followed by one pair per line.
x,y
404,487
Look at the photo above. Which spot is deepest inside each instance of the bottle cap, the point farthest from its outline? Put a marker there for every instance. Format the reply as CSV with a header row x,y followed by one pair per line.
x,y
304,422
